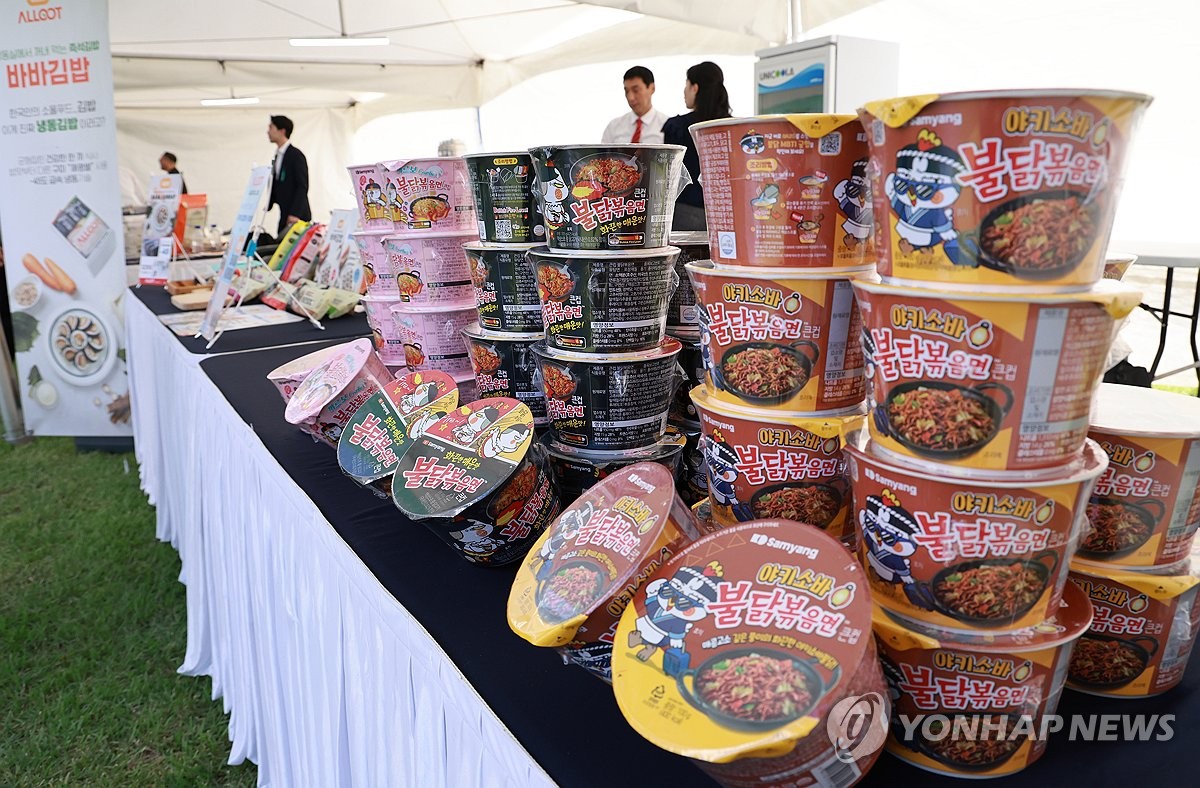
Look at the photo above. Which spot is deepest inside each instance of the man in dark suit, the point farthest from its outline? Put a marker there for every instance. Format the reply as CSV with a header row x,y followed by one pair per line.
x,y
168,161
289,188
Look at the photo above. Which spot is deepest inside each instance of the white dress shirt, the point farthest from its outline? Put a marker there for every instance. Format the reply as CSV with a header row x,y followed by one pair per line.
x,y
278,162
620,130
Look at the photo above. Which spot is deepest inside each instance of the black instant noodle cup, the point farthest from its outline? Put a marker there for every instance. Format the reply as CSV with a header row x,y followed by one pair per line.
x,y
691,362
505,366
506,294
577,469
681,312
599,197
572,588
604,302
608,401
476,480
504,188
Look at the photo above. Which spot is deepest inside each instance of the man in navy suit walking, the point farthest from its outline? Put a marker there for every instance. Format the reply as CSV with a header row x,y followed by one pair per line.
x,y
289,187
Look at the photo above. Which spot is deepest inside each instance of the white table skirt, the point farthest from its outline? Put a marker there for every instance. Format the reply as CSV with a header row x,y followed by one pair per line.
x,y
327,679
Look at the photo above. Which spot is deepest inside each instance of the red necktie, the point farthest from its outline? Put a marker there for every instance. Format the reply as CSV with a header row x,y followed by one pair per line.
x,y
637,131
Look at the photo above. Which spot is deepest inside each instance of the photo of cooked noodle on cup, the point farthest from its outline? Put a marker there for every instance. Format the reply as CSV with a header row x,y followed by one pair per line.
x,y
1143,632
608,197
505,495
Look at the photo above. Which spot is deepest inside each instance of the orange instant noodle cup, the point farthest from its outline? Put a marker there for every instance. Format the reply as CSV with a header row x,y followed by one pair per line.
x,y
1145,509
786,191
577,580
780,340
748,650
990,383
963,556
1143,632
977,708
998,189
766,464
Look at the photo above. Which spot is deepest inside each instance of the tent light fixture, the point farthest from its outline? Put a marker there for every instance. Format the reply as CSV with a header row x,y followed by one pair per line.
x,y
229,102
341,41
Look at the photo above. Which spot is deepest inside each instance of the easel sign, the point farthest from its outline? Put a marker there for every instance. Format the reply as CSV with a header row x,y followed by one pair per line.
x,y
260,179
164,192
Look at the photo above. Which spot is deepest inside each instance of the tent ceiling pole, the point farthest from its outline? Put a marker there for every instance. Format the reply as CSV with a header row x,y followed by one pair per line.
x,y
795,21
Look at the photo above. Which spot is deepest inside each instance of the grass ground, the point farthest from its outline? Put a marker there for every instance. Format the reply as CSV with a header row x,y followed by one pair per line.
x,y
92,628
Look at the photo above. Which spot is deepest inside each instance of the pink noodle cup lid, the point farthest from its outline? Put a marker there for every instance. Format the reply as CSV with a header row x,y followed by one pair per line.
x,y
331,378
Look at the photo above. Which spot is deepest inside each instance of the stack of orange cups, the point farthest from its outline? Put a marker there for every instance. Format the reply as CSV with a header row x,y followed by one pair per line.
x,y
985,335
788,212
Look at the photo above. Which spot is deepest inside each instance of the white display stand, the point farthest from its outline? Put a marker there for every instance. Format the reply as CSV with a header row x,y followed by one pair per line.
x,y
832,74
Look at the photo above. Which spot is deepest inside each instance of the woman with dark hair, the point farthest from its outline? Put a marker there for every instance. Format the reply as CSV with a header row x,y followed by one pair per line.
x,y
705,95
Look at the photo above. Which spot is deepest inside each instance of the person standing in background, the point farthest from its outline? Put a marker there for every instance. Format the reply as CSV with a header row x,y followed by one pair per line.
x,y
705,95
167,161
644,123
289,187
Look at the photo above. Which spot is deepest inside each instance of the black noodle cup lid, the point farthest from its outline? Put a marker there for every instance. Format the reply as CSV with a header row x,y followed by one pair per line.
x,y
462,458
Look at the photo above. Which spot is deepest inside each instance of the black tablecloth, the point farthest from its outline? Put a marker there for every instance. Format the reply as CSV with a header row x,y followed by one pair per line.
x,y
158,301
567,720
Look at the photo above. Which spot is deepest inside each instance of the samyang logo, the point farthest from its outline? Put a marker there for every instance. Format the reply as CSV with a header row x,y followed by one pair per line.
x,y
38,13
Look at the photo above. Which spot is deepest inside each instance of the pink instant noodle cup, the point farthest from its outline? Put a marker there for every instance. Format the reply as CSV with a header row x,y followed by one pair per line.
x,y
429,195
381,280
432,337
998,189
374,212
389,342
787,191
287,377
329,396
430,269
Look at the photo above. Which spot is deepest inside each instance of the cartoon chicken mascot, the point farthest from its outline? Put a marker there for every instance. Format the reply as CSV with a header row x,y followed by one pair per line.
x,y
854,198
673,606
476,539
553,194
921,191
721,461
373,199
476,423
504,441
888,532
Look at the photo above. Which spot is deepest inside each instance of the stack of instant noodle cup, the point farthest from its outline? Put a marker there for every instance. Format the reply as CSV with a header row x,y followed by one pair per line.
x,y
1134,563
415,216
508,315
985,335
604,280
788,209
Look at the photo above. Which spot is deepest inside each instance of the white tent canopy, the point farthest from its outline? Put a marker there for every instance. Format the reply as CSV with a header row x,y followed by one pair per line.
x,y
470,53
